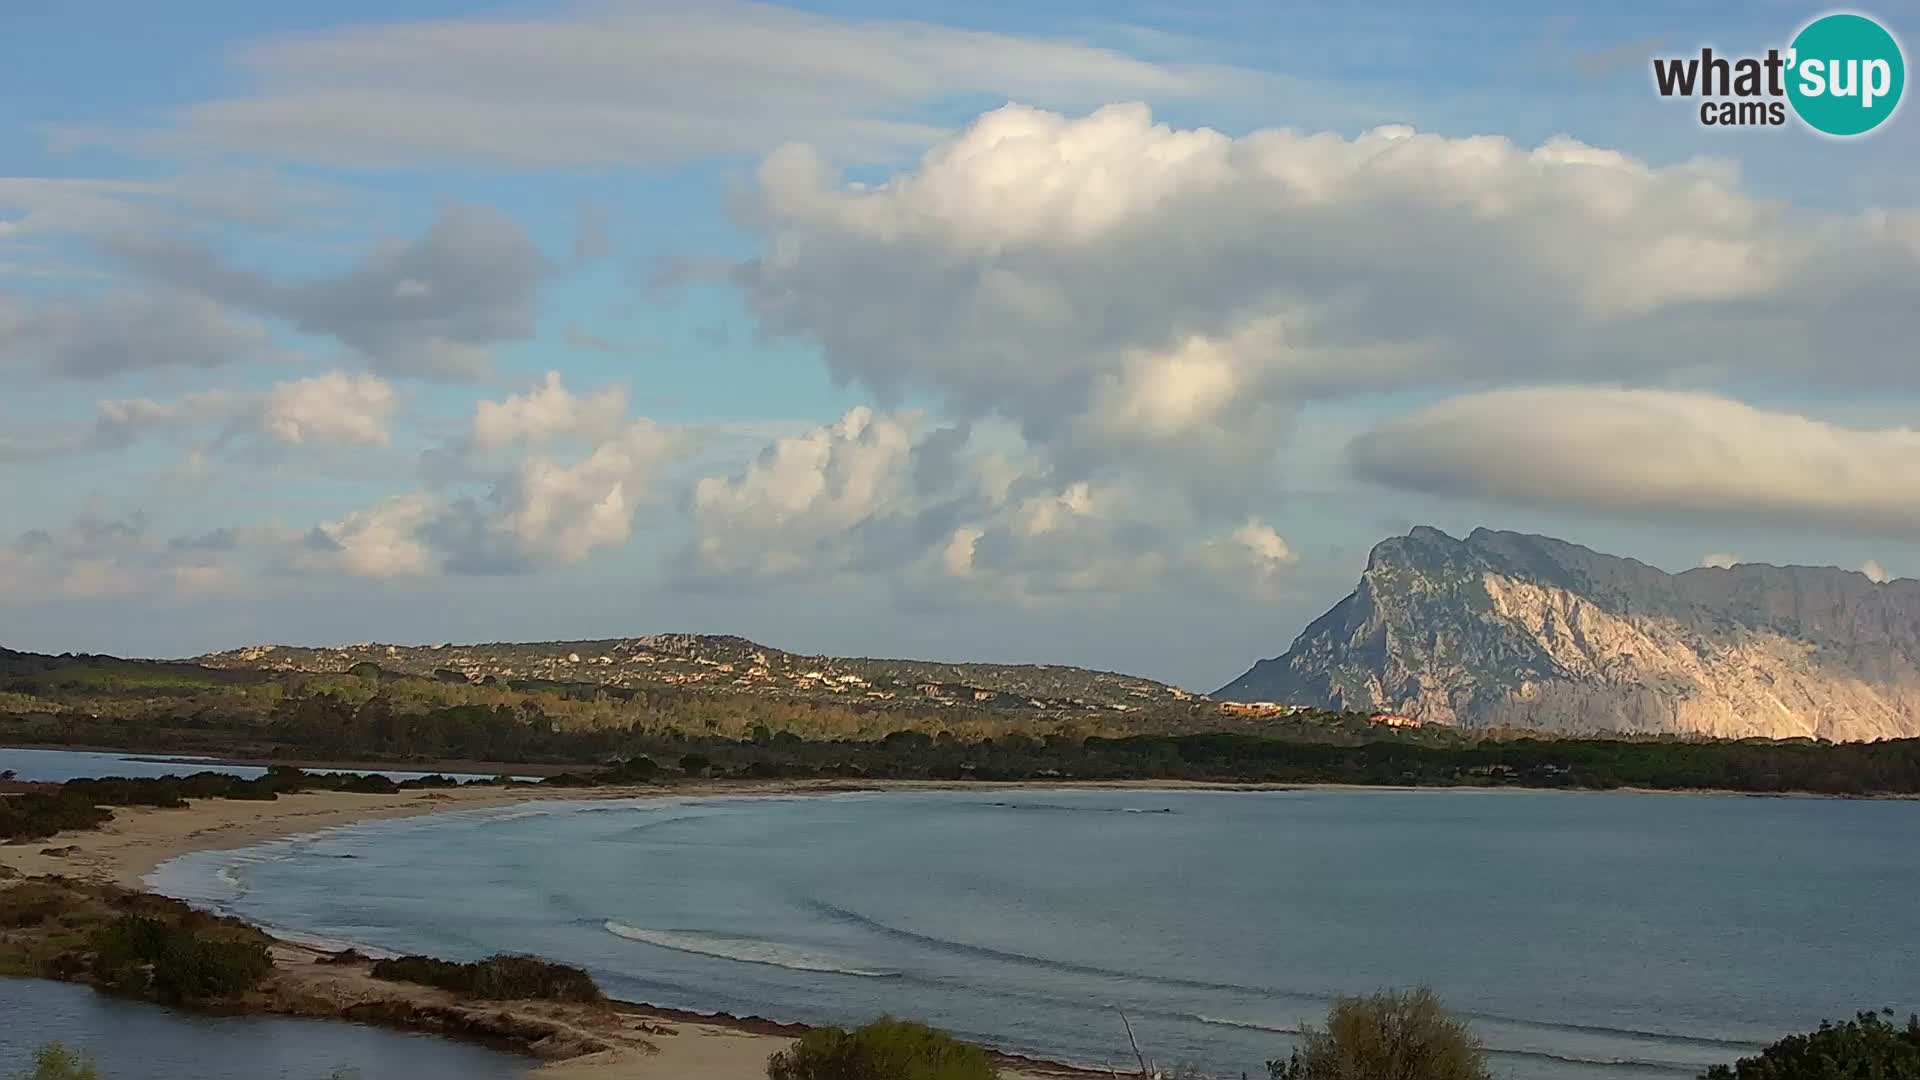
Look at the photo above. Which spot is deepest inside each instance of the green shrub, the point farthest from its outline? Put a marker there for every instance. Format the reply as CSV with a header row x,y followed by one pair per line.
x,y
55,1062
37,815
567,779
886,1049
431,780
501,977
1864,1048
1387,1036
140,955
639,768
370,784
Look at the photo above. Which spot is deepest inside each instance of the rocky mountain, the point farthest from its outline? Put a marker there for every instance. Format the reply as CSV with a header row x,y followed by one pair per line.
x,y
1506,629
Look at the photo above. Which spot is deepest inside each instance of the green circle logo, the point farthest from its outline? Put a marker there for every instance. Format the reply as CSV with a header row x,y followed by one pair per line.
x,y
1846,74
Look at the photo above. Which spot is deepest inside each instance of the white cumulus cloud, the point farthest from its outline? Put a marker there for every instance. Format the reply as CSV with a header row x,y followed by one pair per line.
x,y
339,408
547,412
1651,452
381,542
1130,293
505,501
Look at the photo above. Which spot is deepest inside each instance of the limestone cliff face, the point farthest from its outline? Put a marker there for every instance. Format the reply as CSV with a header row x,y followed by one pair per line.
x,y
1527,631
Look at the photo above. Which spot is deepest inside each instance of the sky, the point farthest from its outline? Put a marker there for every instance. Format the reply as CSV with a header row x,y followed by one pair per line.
x,y
1105,334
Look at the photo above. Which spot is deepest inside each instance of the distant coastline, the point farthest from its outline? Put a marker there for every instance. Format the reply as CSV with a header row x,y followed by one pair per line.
x,y
461,766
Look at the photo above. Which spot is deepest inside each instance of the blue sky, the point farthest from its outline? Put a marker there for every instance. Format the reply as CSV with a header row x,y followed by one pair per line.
x,y
1104,334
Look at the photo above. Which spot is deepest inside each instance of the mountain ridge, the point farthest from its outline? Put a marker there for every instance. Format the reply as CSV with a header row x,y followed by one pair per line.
x,y
1520,630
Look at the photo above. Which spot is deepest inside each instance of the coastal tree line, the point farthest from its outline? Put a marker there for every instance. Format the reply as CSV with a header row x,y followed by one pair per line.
x,y
328,728
42,810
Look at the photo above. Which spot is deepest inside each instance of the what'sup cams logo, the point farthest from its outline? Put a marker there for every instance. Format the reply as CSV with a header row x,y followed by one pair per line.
x,y
1842,76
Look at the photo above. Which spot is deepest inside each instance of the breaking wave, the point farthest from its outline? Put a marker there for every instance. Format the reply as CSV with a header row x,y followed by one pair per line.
x,y
742,950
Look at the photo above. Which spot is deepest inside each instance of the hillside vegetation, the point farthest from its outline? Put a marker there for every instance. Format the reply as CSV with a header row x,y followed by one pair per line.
x,y
365,708
735,664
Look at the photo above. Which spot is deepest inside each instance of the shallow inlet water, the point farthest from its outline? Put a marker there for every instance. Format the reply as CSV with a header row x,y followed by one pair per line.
x,y
59,766
1586,935
130,1041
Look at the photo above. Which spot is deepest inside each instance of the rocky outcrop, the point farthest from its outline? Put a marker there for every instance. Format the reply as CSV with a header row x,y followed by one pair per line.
x,y
1511,630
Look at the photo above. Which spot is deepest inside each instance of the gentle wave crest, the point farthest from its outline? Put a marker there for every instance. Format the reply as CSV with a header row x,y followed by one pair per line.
x,y
1669,1039
1067,809
743,950
854,918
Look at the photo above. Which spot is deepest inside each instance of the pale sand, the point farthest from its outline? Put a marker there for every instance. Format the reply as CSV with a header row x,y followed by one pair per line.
x,y
647,1045
138,839
682,1052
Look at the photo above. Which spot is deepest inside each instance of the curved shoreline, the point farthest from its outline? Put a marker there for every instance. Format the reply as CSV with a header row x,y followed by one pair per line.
x,y
640,1041
138,839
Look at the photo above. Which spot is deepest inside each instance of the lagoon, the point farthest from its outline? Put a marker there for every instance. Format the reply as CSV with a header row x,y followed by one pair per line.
x,y
135,1041
59,766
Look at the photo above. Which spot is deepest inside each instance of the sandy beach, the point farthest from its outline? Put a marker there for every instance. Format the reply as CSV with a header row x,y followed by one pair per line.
x,y
640,1043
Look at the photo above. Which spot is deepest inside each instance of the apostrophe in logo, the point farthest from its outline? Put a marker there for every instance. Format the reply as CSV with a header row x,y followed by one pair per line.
x,y
1842,75
1847,74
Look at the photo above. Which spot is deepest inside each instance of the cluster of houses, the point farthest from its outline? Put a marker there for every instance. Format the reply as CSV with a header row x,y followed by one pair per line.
x,y
1260,710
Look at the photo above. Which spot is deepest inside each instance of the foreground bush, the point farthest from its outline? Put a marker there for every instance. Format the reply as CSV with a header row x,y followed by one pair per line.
x,y
502,977
55,1062
1864,1048
886,1049
147,956
1388,1036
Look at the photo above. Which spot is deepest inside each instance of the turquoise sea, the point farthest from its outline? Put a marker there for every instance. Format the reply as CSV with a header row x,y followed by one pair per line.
x,y
1585,935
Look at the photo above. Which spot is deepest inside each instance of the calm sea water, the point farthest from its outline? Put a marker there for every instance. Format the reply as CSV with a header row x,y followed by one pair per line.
x,y
129,1041
1585,935
59,766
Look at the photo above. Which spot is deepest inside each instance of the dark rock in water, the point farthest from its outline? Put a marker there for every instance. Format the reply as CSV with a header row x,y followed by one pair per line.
x,y
1513,630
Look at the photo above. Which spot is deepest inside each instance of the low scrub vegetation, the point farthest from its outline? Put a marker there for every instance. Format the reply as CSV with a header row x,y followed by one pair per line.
x,y
886,1049
126,942
149,957
37,815
80,804
1392,1035
1867,1047
504,976
55,1061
